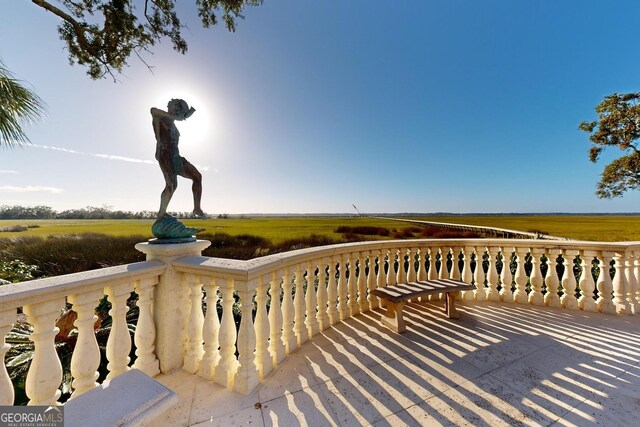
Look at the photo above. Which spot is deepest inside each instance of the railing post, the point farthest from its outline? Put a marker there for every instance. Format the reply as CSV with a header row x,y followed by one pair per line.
x,y
551,298
520,294
86,355
587,285
170,304
288,337
620,284
276,346
7,318
433,270
119,341
332,294
45,373
412,276
145,335
604,285
371,282
321,316
478,274
422,257
311,301
632,283
210,330
299,327
492,276
352,284
227,366
568,299
506,278
467,274
535,296
343,307
363,304
636,269
246,378
264,361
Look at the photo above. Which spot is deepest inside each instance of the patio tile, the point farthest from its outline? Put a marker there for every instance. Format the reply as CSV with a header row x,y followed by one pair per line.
x,y
291,376
308,407
243,417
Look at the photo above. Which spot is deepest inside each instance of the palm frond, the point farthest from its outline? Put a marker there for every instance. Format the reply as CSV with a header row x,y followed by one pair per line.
x,y
18,106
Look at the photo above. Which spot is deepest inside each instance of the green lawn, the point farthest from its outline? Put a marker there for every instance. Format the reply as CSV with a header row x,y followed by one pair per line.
x,y
278,229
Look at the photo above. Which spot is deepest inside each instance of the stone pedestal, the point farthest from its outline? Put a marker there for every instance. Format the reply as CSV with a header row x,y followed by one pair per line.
x,y
170,302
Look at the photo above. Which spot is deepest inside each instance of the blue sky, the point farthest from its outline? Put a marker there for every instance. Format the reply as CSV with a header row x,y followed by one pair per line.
x,y
407,106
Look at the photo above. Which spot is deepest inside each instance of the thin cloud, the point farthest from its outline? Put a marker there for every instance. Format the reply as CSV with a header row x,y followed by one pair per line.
x,y
105,156
8,171
30,189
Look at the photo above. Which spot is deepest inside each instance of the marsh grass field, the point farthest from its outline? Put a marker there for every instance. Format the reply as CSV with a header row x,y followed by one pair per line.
x,y
609,228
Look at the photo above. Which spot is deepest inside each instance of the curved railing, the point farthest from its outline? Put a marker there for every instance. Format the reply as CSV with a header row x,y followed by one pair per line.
x,y
311,289
281,301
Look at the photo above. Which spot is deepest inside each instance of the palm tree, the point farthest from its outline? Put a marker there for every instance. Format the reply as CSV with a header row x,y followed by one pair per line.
x,y
18,105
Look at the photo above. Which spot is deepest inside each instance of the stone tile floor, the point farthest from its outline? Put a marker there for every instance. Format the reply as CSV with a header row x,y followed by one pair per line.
x,y
498,365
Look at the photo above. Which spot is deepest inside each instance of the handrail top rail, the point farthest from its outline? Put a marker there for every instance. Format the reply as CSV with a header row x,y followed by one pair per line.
x,y
34,291
245,270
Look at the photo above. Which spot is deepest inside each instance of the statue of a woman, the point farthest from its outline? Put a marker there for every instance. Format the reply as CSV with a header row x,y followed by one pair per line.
x,y
168,155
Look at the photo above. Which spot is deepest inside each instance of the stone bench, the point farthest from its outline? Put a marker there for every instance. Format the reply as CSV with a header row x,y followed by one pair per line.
x,y
130,399
396,296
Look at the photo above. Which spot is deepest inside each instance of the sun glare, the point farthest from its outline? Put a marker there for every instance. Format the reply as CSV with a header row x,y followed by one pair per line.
x,y
195,131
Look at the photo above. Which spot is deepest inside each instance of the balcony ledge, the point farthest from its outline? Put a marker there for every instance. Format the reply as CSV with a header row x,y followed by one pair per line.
x,y
500,364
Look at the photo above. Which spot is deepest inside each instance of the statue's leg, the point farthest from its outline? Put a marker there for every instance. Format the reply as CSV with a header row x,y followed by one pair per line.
x,y
167,193
189,171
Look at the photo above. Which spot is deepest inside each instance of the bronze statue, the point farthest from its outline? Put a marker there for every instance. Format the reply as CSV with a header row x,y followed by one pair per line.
x,y
168,155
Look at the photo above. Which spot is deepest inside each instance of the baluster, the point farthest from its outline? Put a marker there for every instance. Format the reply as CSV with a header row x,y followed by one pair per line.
x,y
568,299
636,268
311,302
264,361
551,298
343,307
520,294
45,372
332,293
535,296
227,366
506,278
276,345
210,330
455,263
119,341
422,268
7,318
467,274
604,285
411,270
288,337
145,335
620,284
632,285
86,354
299,328
391,272
401,276
443,273
433,270
491,291
322,316
478,275
371,281
587,285
247,377
352,286
363,304
194,326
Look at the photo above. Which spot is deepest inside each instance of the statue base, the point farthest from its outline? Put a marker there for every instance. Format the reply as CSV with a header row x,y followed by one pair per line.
x,y
167,229
156,241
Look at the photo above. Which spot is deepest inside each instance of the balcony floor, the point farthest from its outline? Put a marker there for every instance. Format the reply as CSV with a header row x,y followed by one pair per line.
x,y
497,365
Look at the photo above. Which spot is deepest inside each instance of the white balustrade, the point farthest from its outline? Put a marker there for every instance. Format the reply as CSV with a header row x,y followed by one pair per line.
x,y
520,294
352,285
478,274
433,270
491,291
506,278
86,357
604,285
371,282
264,362
299,328
45,373
467,273
276,342
311,321
422,267
535,296
288,336
145,335
322,296
632,284
210,330
246,377
332,293
568,298
586,301
551,281
412,276
343,306
119,341
227,366
363,304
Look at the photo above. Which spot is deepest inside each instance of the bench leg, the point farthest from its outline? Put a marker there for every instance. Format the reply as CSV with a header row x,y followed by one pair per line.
x,y
393,316
450,305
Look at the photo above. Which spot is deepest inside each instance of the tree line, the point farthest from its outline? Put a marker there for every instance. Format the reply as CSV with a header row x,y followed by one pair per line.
x,y
90,212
